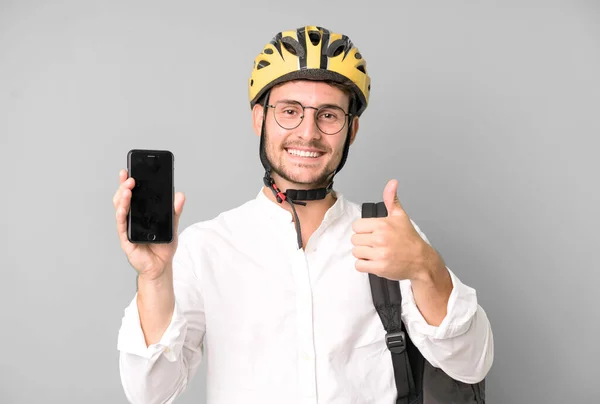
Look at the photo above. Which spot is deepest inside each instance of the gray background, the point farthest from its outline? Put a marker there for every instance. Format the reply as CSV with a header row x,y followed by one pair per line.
x,y
487,114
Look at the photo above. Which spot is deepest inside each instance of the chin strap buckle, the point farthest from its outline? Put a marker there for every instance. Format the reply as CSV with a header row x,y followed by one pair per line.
x,y
280,196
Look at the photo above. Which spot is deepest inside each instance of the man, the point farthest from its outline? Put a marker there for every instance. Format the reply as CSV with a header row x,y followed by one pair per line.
x,y
274,294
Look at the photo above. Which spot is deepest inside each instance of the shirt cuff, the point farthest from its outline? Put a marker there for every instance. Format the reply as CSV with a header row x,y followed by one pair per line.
x,y
462,306
131,337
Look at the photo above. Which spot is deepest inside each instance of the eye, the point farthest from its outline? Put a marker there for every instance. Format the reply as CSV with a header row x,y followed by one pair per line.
x,y
328,115
287,110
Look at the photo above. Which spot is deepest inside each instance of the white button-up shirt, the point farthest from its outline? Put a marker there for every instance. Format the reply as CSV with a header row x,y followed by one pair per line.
x,y
277,324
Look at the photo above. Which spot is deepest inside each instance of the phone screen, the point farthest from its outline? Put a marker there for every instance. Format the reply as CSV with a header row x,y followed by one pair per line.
x,y
151,212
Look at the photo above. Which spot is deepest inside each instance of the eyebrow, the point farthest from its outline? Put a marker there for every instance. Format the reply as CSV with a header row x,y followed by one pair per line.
x,y
298,102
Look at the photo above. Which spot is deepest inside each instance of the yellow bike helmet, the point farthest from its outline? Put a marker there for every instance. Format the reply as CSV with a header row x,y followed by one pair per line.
x,y
310,53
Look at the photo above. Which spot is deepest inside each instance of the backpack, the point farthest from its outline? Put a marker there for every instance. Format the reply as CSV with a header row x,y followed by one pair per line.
x,y
417,381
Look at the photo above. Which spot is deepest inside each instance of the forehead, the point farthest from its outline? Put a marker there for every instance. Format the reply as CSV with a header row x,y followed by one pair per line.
x,y
309,92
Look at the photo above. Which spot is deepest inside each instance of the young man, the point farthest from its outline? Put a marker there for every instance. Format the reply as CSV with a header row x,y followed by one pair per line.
x,y
274,295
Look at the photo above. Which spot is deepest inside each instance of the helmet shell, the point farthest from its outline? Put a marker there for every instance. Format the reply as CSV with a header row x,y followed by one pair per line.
x,y
310,53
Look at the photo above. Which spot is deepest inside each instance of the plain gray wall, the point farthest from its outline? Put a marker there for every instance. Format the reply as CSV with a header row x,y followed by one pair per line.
x,y
487,114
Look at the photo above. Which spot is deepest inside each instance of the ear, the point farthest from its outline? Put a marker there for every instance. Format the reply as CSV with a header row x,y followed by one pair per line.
x,y
257,118
354,130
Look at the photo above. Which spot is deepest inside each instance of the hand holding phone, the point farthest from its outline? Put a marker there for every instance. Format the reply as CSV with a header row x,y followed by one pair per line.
x,y
148,210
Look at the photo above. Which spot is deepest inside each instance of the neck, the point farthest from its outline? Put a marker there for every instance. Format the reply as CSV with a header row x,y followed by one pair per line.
x,y
310,213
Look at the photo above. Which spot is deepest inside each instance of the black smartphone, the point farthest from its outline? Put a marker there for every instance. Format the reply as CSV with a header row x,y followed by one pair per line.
x,y
151,213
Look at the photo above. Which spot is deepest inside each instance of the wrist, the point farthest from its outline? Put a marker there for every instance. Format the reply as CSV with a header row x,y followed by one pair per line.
x,y
431,269
155,302
156,278
152,290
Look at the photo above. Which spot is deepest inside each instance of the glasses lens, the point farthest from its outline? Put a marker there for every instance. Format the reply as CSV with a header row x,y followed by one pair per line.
x,y
288,114
331,119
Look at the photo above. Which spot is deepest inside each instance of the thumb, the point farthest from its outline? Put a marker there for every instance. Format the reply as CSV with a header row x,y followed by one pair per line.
x,y
178,207
390,198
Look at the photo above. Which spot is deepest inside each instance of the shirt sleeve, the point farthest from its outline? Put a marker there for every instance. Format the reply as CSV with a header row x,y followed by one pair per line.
x,y
462,345
160,372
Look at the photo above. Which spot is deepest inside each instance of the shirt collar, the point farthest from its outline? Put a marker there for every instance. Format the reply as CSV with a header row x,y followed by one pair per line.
x,y
272,208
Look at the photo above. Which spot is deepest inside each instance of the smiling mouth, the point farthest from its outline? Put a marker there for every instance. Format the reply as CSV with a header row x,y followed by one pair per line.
x,y
304,153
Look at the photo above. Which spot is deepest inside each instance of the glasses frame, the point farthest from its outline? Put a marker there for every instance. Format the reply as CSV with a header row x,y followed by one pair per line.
x,y
347,115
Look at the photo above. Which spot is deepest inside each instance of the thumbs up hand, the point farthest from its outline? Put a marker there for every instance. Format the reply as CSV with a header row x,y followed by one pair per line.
x,y
390,247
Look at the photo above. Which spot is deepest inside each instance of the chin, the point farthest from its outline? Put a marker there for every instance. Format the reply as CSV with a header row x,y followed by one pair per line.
x,y
307,179
303,174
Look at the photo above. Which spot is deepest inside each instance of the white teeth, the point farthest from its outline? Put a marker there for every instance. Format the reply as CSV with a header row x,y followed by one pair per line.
x,y
303,153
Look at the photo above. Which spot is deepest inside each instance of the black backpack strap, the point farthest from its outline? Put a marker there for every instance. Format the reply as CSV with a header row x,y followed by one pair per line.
x,y
388,303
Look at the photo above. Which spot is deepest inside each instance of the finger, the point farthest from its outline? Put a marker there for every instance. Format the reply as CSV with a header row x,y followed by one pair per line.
x,y
367,225
128,183
121,216
122,176
178,203
372,267
117,198
378,238
117,195
363,239
391,200
178,207
364,252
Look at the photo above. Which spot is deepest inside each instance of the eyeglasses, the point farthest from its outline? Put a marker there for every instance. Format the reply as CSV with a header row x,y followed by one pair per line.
x,y
330,119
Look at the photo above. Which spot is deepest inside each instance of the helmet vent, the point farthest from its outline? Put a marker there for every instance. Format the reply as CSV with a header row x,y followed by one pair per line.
x,y
268,51
289,48
336,48
261,64
292,46
361,68
315,37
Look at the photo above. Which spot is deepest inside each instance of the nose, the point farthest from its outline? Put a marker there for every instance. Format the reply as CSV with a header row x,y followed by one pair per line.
x,y
308,128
